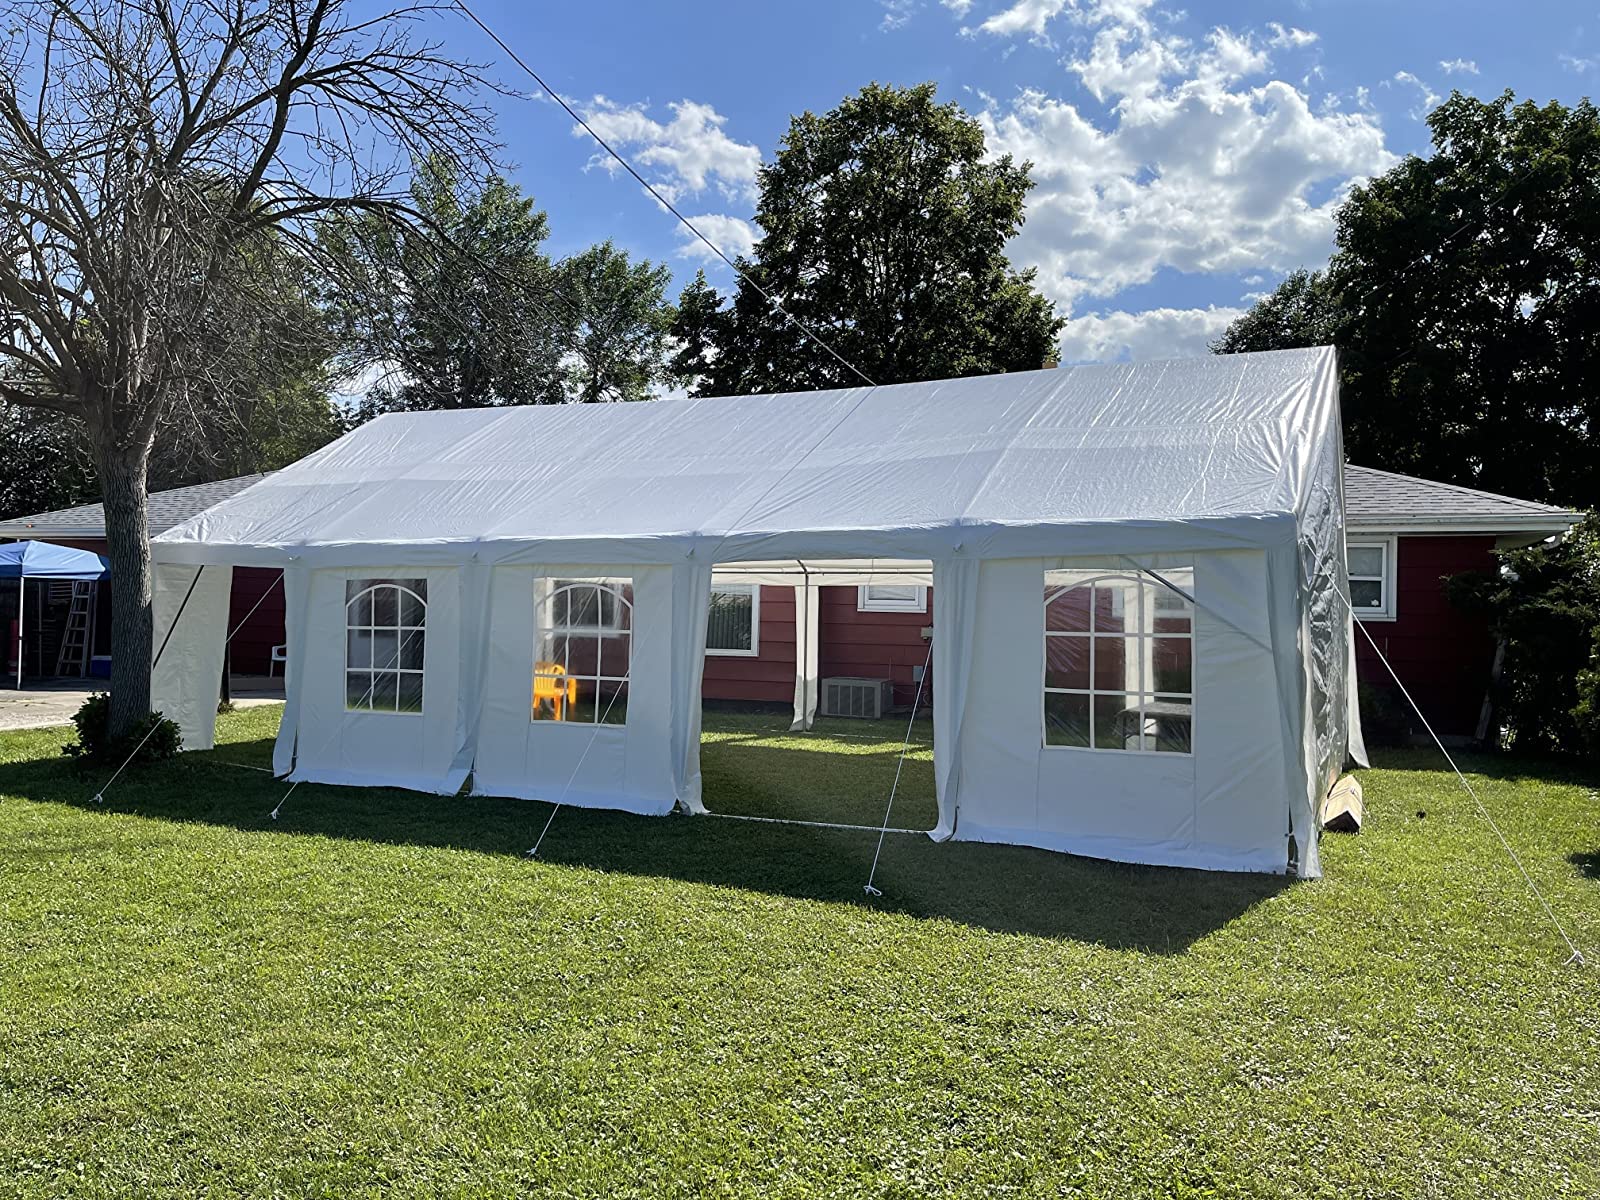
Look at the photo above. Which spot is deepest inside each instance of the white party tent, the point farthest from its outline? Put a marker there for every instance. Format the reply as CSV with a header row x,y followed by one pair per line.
x,y
1140,651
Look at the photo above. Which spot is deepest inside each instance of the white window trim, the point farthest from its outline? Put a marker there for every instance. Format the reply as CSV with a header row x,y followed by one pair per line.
x,y
1390,545
917,605
754,591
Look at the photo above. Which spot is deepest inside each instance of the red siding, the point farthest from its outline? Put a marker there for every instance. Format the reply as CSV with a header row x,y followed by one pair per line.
x,y
876,645
768,677
251,648
1443,656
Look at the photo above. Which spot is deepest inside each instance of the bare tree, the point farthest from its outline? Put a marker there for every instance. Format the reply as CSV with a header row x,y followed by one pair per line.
x,y
145,145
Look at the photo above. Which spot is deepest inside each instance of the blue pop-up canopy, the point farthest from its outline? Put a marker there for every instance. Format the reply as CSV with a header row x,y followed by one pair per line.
x,y
41,560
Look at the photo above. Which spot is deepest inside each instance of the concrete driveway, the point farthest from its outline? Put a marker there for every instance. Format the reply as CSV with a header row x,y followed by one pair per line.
x,y
53,701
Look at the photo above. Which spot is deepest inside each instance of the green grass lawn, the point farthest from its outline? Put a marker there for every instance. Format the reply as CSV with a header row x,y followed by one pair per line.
x,y
379,995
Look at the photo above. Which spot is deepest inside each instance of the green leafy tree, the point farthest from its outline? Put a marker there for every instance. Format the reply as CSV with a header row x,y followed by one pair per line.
x,y
1544,605
884,227
1464,298
460,310
620,327
143,147
467,311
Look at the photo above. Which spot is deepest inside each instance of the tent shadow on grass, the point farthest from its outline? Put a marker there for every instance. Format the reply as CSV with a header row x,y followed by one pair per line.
x,y
1005,889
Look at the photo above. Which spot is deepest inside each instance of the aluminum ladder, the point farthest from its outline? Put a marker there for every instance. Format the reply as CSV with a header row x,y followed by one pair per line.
x,y
73,657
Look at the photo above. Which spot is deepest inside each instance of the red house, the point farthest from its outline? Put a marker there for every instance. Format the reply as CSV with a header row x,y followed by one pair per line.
x,y
1404,536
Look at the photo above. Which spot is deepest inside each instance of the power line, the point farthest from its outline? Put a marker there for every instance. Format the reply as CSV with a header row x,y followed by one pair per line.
x,y
662,200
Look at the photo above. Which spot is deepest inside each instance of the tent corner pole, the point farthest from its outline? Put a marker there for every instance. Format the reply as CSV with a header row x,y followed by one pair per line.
x,y
22,623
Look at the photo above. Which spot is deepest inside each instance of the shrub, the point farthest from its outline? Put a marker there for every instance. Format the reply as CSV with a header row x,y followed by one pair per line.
x,y
155,737
1385,716
1544,604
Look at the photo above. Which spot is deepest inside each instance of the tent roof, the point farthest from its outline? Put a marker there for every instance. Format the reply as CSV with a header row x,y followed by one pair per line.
x,y
41,560
1208,446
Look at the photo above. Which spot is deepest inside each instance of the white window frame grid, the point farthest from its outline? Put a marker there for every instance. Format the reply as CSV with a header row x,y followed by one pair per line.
x,y
900,604
1143,636
1389,544
403,634
602,629
545,604
752,590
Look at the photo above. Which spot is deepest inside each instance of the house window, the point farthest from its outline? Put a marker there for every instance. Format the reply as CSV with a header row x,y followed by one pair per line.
x,y
1118,661
582,651
892,597
1372,563
385,639
733,628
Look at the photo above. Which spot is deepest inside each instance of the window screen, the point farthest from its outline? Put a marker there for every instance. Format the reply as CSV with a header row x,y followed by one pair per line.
x,y
582,651
1371,578
892,597
385,640
732,626
1118,661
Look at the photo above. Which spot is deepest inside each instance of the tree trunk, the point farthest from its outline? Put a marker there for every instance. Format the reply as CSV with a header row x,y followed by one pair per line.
x,y
122,489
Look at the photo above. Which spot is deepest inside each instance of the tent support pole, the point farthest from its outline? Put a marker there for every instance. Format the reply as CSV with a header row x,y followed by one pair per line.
x,y
22,623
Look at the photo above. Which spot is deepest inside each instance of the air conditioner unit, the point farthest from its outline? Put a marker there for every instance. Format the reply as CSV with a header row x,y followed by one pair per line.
x,y
846,697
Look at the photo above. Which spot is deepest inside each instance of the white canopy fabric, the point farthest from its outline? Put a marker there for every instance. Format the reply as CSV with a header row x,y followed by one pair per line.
x,y
1156,456
1226,469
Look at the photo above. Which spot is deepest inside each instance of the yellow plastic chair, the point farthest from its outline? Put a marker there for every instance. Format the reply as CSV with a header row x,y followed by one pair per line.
x,y
552,686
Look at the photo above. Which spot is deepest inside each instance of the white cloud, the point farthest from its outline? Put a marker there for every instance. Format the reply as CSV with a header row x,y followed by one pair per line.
x,y
1024,16
1155,333
684,156
896,13
959,7
1579,66
1289,38
1458,66
1199,168
1429,96
732,235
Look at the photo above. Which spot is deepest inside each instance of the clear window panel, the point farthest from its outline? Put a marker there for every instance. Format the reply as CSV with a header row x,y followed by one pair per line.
x,y
386,606
1066,610
1116,722
611,654
385,649
413,644
358,610
1066,662
1066,719
611,697
1366,560
1173,661
1366,593
358,648
412,609
357,689
384,687
1115,606
410,692
1115,668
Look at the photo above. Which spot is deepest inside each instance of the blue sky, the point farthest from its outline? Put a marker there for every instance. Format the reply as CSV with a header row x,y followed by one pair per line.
x,y
1186,159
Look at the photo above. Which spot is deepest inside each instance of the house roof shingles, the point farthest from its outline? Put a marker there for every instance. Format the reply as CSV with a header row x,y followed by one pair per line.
x,y
163,511
1382,499
1373,500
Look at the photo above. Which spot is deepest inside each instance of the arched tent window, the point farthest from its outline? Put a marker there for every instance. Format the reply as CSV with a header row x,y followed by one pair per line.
x,y
385,640
583,652
1118,661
